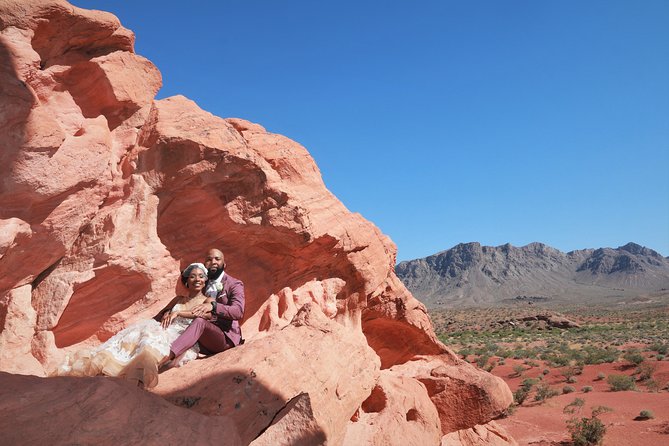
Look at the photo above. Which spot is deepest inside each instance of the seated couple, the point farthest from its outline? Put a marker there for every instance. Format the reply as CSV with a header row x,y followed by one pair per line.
x,y
206,320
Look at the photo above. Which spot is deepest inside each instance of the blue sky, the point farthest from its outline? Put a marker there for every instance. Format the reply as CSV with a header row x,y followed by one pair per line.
x,y
440,121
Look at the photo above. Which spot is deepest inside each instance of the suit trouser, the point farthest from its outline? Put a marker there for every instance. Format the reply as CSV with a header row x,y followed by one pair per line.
x,y
208,334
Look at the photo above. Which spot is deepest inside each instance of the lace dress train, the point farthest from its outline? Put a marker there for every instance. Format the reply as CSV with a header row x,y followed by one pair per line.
x,y
133,353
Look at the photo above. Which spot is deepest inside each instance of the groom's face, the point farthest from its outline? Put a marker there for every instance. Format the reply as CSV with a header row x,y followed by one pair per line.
x,y
214,261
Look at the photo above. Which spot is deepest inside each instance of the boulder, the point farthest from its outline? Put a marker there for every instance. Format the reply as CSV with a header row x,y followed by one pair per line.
x,y
257,382
490,434
101,411
107,193
465,396
397,412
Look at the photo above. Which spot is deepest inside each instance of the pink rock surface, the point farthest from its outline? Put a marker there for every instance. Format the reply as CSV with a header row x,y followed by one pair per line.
x,y
398,411
106,193
464,395
491,434
256,381
99,411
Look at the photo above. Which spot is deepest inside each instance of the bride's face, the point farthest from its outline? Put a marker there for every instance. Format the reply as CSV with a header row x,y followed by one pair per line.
x,y
196,279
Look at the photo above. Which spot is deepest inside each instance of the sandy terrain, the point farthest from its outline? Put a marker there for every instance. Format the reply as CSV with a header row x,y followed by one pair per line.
x,y
544,423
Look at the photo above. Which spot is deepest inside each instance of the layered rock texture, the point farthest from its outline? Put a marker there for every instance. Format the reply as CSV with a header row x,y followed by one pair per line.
x,y
473,275
105,193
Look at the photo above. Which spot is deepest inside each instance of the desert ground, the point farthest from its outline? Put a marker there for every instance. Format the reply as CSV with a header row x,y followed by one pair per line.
x,y
561,374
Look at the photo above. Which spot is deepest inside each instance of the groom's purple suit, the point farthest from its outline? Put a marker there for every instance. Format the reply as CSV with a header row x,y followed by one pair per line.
x,y
223,332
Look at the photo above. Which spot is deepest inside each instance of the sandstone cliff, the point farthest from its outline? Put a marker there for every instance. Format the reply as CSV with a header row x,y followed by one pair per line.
x,y
106,193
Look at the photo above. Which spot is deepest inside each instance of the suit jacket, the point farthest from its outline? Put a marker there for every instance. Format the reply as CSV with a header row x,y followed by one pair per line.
x,y
230,308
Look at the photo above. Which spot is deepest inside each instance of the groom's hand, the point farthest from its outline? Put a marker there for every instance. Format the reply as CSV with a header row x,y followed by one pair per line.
x,y
202,310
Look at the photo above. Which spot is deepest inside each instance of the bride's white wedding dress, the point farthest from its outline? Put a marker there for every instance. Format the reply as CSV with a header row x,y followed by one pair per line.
x,y
132,353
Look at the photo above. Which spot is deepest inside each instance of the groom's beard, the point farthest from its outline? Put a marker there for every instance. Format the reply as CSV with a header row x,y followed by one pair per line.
x,y
215,274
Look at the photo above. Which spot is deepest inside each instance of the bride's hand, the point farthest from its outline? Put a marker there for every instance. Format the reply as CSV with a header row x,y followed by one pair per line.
x,y
168,317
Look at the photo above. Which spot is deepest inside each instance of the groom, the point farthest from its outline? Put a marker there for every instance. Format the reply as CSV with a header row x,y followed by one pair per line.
x,y
217,326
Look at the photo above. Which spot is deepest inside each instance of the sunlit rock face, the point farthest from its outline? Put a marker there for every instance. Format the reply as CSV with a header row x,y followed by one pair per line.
x,y
105,193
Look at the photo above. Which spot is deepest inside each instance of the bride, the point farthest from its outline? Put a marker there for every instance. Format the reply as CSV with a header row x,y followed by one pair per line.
x,y
136,352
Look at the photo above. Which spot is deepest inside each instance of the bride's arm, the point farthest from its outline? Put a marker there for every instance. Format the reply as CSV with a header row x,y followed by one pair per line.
x,y
162,313
189,314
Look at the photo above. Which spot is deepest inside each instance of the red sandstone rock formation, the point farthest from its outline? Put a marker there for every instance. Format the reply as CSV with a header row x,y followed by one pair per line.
x,y
106,193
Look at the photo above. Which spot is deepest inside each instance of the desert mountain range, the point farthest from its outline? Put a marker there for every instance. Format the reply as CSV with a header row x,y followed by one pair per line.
x,y
473,275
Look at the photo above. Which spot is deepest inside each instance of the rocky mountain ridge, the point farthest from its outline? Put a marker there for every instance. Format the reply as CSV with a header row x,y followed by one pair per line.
x,y
473,275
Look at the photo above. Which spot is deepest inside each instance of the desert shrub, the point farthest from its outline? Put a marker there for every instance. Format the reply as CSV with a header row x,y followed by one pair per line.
x,y
633,356
659,347
544,391
572,380
518,369
620,382
482,360
597,355
646,370
520,395
568,389
585,431
545,372
501,361
653,386
646,415
466,351
586,389
509,411
531,363
660,357
574,406
502,353
600,376
529,382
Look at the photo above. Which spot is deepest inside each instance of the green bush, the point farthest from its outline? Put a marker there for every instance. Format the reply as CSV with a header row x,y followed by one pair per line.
x,y
568,389
482,360
646,415
660,357
620,382
646,370
659,347
520,395
586,431
545,372
518,369
572,380
600,376
586,389
544,391
633,356
653,386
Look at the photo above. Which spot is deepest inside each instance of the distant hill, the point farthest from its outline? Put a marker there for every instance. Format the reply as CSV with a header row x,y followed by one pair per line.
x,y
473,275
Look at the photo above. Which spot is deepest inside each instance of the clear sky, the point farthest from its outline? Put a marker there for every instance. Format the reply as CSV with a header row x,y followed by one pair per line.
x,y
445,121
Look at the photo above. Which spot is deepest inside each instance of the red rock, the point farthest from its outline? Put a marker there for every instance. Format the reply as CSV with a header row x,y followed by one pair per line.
x,y
398,411
106,193
253,384
294,425
464,395
491,434
99,411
